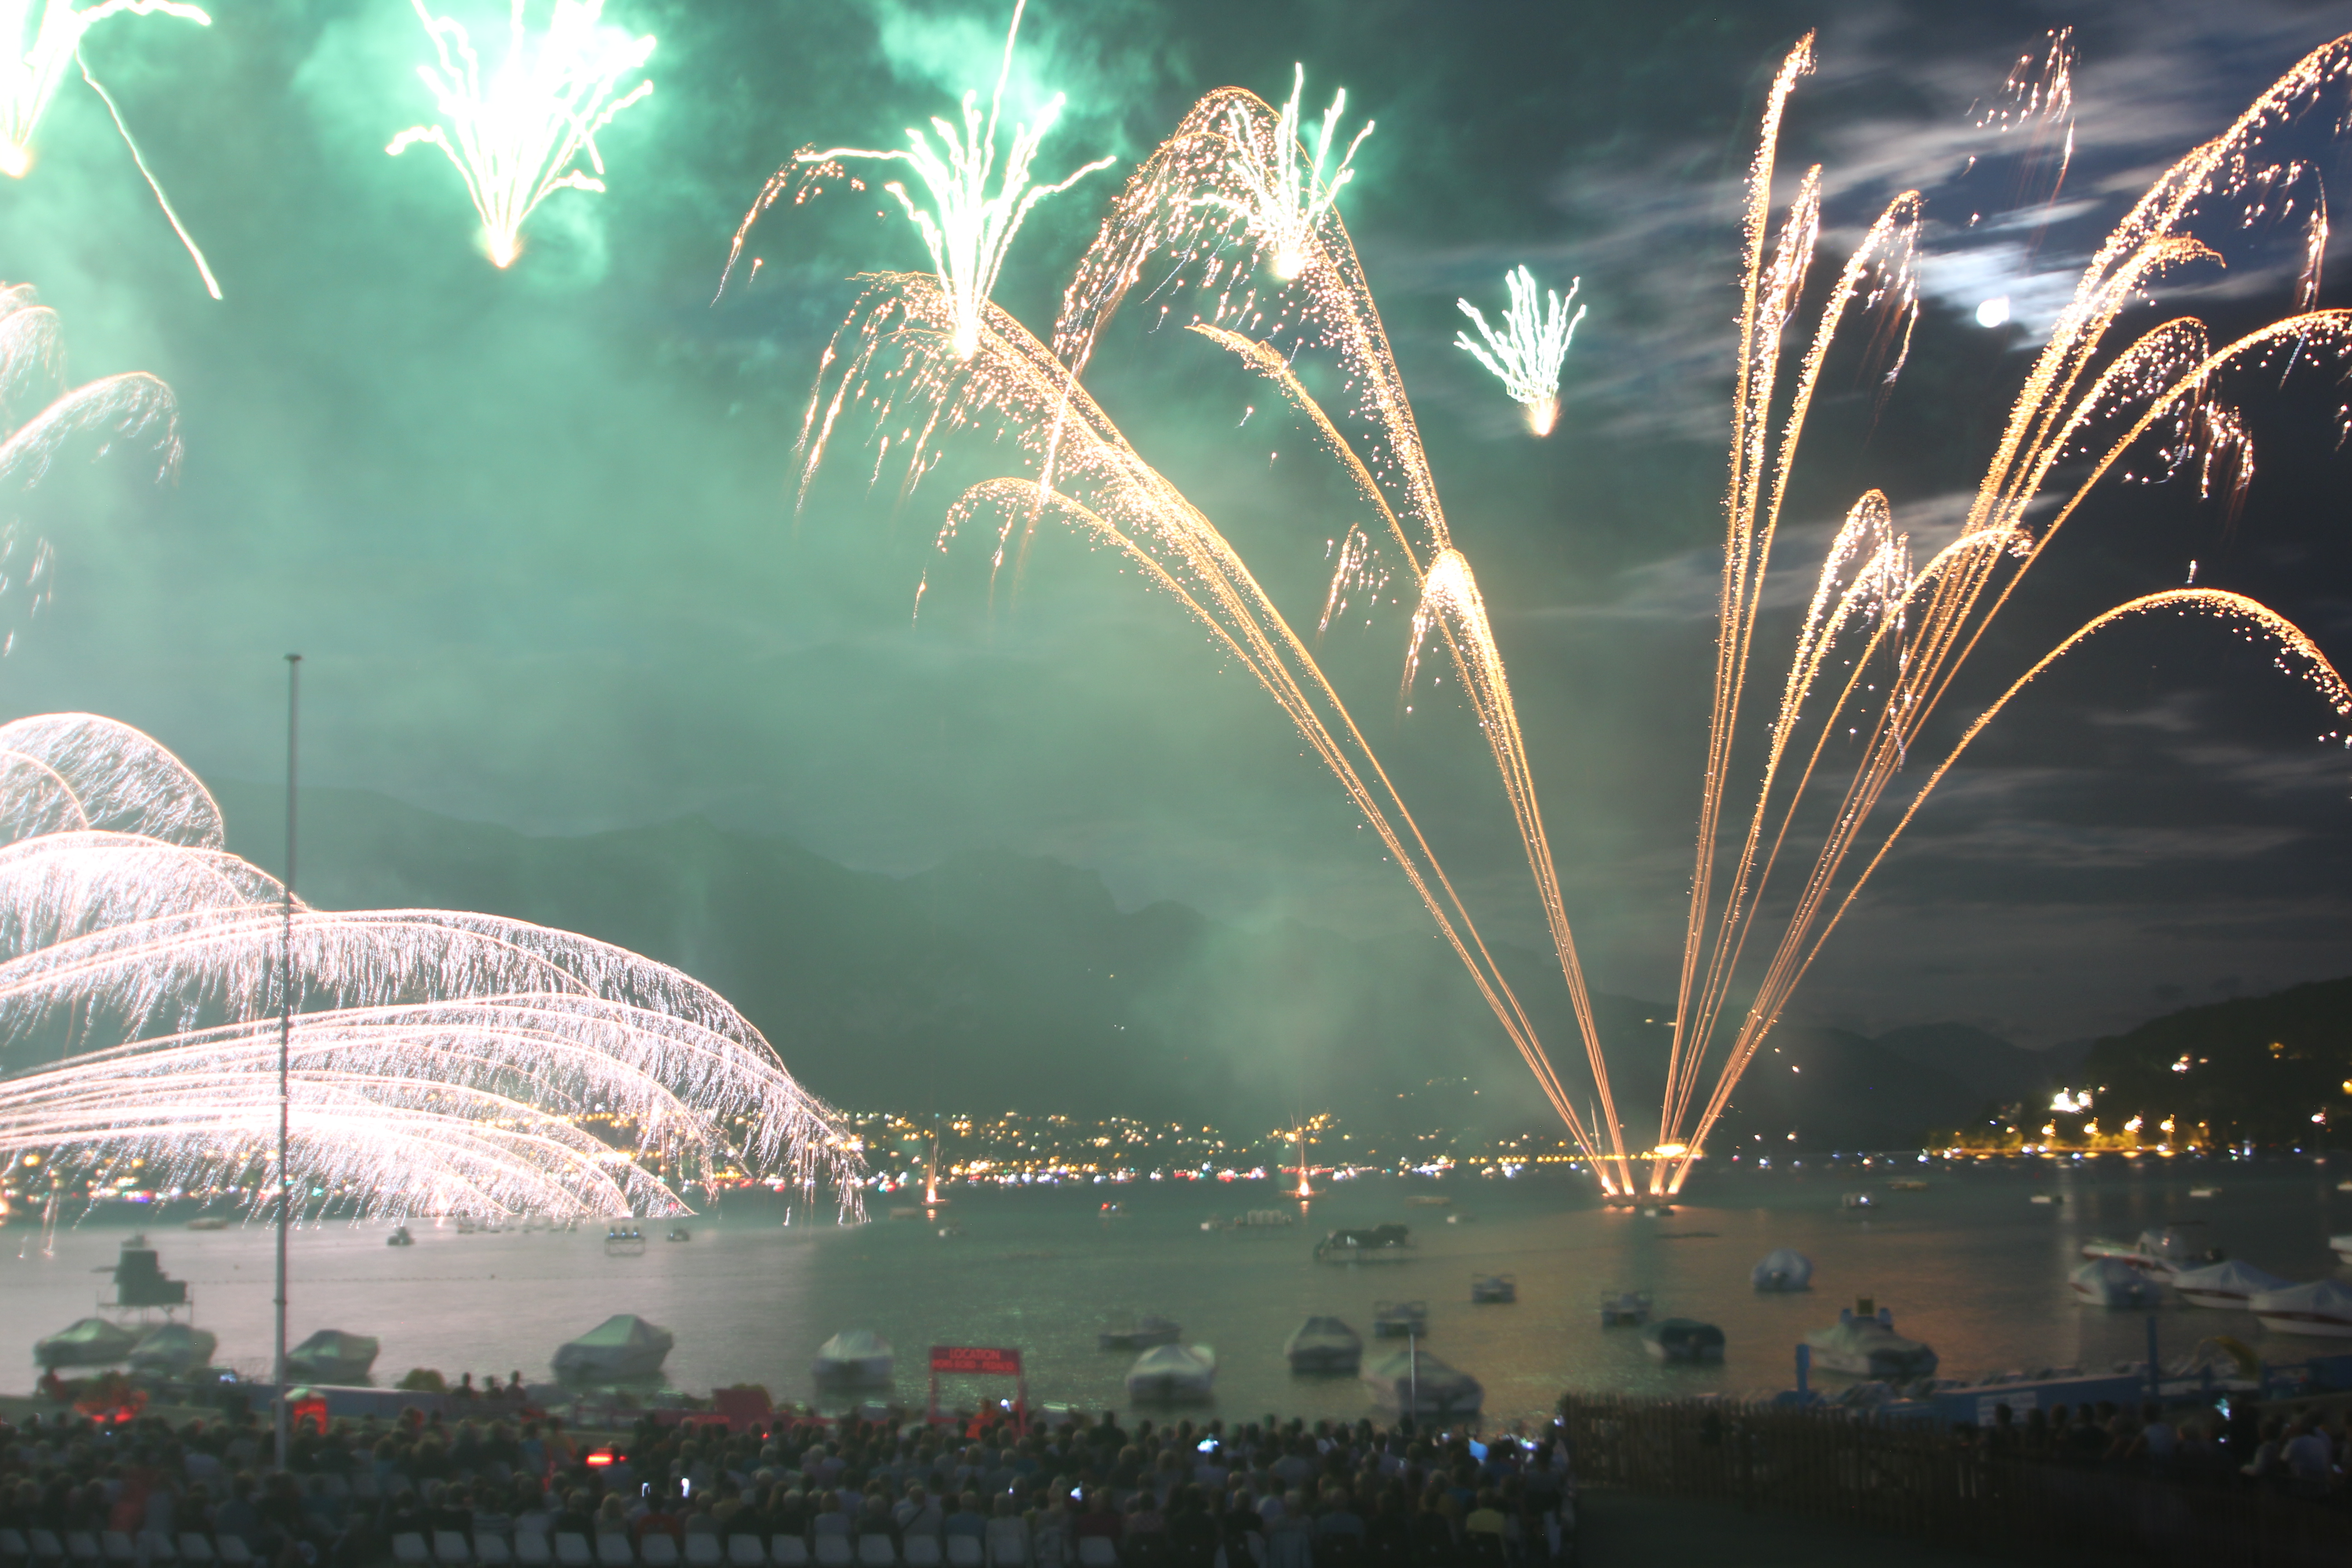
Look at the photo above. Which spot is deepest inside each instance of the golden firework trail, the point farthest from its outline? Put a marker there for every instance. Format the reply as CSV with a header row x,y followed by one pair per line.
x,y
518,136
442,1062
966,230
1880,644
1526,354
43,39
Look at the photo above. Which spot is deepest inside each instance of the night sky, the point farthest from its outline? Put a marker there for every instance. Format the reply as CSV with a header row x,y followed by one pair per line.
x,y
534,532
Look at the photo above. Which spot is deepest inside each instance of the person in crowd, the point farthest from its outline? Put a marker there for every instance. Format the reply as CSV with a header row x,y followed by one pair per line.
x,y
919,1513
967,1519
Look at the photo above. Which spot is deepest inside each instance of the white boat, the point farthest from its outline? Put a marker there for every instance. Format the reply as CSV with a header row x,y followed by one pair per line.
x,y
1783,1269
2162,1253
623,1345
2323,1308
2042,1198
331,1356
1173,1374
1625,1310
2224,1285
856,1359
2342,1247
2204,1192
1324,1344
2112,1282
1416,1383
1864,1344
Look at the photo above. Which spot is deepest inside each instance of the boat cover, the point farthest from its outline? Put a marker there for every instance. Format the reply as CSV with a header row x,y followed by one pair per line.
x,y
1418,1382
1783,1269
2321,1299
88,1342
331,1355
175,1346
2112,1282
623,1345
1172,1371
2231,1279
857,1355
1324,1344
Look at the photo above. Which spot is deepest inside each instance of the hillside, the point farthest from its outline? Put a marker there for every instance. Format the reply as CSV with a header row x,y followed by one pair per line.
x,y
996,981
2265,1069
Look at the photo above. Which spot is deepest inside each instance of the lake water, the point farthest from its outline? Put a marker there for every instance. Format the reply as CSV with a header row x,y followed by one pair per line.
x,y
1971,1266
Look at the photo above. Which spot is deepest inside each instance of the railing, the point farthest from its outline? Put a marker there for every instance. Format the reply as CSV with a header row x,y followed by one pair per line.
x,y
1828,1465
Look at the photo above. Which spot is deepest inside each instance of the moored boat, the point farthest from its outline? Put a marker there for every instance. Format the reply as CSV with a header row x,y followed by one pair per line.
x,y
858,1358
1366,1244
2112,1282
1857,1201
173,1347
1783,1269
1623,1309
331,1356
1172,1373
400,1237
623,1345
86,1341
1142,1334
2225,1285
1682,1339
208,1221
2324,1308
2342,1247
1863,1343
1400,1319
1324,1344
1494,1288
1416,1384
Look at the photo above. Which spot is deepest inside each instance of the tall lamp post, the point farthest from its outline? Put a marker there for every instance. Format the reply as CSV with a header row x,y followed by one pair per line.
x,y
285,1049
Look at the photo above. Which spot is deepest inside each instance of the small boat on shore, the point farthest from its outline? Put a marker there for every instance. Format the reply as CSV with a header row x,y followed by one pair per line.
x,y
623,1345
1400,1319
1142,1334
331,1356
172,1348
1366,1244
1172,1374
1322,1345
1624,1309
2112,1282
858,1358
1863,1343
86,1341
1493,1289
2322,1308
1416,1384
2229,1285
1682,1339
1783,1269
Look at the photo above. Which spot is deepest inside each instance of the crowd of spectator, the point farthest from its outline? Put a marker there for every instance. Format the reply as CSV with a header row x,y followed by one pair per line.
x,y
2303,1452
1262,1495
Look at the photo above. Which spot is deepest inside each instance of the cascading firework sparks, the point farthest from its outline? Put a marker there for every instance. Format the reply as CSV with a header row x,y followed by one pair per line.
x,y
518,138
1879,647
441,1062
966,230
1526,354
40,48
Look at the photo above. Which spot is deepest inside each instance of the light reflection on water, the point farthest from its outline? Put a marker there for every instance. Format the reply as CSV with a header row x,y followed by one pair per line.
x,y
1971,1266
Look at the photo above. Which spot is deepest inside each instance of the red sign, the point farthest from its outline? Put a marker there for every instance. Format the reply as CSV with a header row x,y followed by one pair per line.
x,y
976,1359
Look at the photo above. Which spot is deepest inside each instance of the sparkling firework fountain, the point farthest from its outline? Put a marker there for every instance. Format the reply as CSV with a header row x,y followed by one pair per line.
x,y
43,38
1880,643
969,231
1526,355
518,138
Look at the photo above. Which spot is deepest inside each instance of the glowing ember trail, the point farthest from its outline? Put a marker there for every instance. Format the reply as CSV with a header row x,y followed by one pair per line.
x,y
966,230
1878,647
38,51
518,139
1526,354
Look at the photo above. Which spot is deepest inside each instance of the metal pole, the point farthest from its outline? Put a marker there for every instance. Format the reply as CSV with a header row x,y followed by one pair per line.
x,y
284,1047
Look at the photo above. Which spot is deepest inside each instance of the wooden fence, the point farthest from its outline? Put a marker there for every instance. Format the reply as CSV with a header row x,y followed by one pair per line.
x,y
1828,1465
